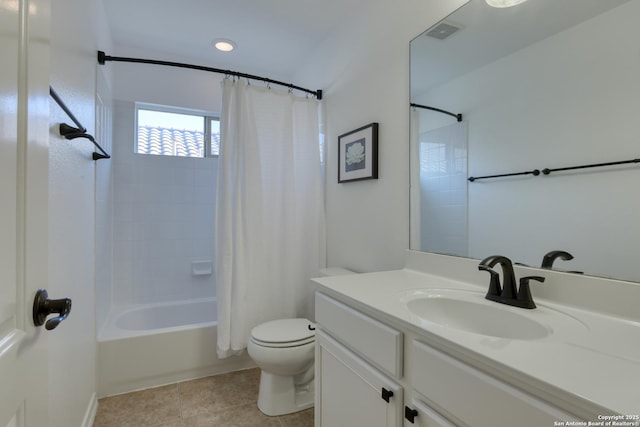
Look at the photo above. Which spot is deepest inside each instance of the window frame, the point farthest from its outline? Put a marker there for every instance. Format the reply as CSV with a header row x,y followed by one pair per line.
x,y
207,116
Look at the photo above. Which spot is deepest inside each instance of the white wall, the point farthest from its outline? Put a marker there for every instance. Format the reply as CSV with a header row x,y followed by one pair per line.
x,y
364,72
542,107
76,32
157,84
163,206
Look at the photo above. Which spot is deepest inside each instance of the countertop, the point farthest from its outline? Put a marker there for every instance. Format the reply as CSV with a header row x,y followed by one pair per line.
x,y
593,367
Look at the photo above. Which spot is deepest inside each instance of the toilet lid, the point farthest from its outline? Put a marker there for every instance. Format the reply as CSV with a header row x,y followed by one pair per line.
x,y
284,331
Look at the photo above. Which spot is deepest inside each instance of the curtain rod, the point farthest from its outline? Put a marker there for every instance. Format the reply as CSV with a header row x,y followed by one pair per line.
x,y
102,58
457,116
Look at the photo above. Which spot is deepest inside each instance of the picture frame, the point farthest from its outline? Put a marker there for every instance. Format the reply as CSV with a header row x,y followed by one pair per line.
x,y
358,154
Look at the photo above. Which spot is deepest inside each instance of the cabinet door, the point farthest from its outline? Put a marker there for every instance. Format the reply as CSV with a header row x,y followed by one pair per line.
x,y
349,391
424,416
475,398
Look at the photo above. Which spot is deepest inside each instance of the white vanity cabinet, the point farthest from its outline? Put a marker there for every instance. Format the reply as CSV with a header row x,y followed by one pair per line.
x,y
360,359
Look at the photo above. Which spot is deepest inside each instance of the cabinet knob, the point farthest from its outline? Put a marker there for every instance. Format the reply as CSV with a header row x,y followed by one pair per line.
x,y
386,394
410,414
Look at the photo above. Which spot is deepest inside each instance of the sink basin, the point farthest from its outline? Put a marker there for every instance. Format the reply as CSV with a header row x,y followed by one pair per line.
x,y
470,312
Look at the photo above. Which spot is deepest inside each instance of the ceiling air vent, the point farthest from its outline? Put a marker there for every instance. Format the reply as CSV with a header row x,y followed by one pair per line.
x,y
442,30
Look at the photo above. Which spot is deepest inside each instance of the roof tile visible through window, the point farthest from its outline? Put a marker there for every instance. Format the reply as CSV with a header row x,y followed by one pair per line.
x,y
173,142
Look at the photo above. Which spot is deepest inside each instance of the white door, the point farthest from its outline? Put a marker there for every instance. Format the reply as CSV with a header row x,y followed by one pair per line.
x,y
24,109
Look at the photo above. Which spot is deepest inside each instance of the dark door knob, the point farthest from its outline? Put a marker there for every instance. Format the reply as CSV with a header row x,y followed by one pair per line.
x,y
43,306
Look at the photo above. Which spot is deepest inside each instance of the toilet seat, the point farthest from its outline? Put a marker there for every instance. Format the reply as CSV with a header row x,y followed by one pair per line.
x,y
284,333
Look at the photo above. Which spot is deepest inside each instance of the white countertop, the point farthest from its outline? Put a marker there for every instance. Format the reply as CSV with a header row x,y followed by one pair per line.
x,y
594,367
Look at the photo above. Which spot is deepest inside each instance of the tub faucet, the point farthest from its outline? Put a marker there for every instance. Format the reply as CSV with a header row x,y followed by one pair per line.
x,y
507,294
550,257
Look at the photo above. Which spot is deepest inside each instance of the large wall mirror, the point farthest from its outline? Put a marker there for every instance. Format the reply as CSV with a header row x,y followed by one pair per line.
x,y
546,84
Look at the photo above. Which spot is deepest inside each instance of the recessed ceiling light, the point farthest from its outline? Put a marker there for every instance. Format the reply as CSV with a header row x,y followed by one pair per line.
x,y
504,3
224,45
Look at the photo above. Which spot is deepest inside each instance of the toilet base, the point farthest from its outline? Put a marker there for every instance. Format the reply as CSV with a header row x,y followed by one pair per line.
x,y
279,395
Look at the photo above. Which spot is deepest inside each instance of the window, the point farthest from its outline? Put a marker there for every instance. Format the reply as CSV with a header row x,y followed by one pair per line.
x,y
172,131
214,136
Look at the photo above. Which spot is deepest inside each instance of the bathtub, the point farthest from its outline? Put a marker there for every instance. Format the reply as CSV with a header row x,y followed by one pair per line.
x,y
145,346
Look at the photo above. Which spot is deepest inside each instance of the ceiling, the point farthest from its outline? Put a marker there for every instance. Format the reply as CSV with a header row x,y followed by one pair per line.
x,y
273,37
486,34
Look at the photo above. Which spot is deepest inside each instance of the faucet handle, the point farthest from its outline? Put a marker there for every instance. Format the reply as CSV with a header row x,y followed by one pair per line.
x,y
494,284
525,300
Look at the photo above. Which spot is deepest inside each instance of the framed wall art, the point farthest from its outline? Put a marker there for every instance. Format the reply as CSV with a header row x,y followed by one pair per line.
x,y
358,154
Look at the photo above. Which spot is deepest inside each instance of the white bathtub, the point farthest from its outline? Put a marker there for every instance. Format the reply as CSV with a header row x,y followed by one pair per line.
x,y
149,318
146,346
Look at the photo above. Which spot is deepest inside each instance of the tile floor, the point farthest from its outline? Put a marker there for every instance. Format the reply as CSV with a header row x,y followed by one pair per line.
x,y
227,400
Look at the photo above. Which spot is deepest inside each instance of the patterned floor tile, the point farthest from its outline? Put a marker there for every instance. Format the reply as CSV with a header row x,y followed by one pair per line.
x,y
228,400
145,408
212,394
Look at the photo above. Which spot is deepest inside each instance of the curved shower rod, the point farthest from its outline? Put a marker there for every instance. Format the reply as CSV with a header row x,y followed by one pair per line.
x,y
458,116
102,58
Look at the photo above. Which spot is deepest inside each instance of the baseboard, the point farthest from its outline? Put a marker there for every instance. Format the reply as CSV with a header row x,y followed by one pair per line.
x,y
90,413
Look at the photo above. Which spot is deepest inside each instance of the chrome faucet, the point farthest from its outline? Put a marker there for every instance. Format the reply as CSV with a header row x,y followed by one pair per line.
x,y
508,293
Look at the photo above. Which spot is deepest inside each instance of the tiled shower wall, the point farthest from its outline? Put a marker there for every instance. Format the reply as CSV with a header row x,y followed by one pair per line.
x,y
163,220
104,200
443,183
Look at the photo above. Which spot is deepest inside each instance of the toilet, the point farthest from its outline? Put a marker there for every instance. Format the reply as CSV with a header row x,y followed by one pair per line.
x,y
284,350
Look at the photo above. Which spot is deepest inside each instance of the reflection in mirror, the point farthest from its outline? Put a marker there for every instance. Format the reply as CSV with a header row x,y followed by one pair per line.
x,y
441,225
545,84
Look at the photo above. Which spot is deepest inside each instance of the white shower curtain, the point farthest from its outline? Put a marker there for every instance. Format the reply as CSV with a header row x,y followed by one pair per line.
x,y
270,230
